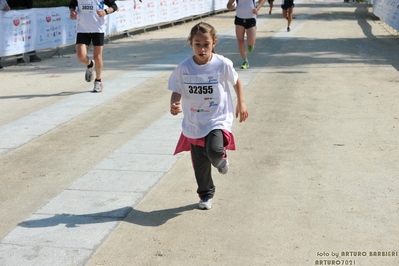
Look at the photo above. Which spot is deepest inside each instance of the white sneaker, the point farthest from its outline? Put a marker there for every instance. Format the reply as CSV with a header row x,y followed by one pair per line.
x,y
89,73
223,166
98,86
205,204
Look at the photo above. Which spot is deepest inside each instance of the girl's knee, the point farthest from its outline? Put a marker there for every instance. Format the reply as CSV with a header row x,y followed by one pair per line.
x,y
215,155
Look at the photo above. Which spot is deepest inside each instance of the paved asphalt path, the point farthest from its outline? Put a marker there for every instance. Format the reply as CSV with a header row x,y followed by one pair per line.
x,y
90,179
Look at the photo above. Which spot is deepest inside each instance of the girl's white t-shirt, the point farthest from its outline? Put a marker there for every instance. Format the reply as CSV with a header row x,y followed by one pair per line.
x,y
206,98
244,9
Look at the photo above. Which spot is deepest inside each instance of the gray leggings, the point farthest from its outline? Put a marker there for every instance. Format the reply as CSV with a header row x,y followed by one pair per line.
x,y
203,158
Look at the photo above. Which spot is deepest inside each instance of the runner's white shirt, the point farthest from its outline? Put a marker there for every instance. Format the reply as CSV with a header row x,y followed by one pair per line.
x,y
88,20
206,98
244,8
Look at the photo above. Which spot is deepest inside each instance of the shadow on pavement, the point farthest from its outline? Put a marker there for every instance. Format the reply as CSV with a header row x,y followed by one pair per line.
x,y
127,214
31,96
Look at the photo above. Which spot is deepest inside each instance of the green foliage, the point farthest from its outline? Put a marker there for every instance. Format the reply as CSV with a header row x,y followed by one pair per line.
x,y
50,3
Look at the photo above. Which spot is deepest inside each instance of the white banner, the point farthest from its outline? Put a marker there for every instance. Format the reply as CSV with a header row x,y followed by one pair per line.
x,y
42,28
387,11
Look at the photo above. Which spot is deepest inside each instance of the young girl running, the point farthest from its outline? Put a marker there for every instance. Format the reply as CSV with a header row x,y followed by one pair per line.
x,y
200,89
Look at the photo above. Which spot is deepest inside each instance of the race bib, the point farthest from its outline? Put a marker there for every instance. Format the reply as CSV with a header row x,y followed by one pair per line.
x,y
202,92
87,7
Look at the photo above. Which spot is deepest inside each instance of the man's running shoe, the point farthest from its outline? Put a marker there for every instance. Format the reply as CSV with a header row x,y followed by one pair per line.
x,y
245,65
89,73
205,204
251,48
98,86
288,29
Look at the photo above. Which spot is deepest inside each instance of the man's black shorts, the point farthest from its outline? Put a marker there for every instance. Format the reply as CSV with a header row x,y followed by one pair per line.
x,y
245,22
87,38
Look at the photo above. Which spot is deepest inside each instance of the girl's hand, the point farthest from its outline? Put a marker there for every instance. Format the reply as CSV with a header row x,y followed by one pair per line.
x,y
241,110
231,6
175,108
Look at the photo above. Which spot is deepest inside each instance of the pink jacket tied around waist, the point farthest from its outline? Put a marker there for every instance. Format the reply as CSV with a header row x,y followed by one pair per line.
x,y
184,143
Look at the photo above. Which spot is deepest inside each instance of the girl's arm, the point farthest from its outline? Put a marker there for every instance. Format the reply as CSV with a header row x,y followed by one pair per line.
x,y
258,6
241,108
231,5
175,107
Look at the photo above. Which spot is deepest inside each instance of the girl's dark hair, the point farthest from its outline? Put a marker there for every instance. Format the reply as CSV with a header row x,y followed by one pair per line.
x,y
203,27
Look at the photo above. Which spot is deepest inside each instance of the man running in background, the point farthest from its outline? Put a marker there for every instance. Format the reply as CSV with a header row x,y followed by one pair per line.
x,y
90,16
